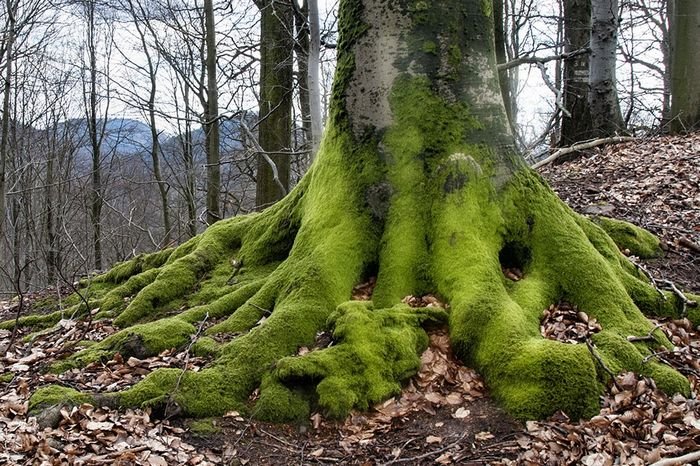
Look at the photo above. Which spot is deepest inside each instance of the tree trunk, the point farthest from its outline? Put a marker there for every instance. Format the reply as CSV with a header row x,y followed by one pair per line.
x,y
577,34
7,87
605,106
314,66
211,120
418,184
96,200
685,65
301,23
502,57
276,82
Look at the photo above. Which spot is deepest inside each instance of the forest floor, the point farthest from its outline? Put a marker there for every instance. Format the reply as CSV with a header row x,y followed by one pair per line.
x,y
445,414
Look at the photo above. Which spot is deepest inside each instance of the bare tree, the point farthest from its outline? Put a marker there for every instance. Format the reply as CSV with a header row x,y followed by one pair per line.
x,y
211,118
147,103
577,34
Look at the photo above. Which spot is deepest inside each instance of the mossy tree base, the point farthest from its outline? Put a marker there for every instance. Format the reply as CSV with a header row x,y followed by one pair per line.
x,y
416,182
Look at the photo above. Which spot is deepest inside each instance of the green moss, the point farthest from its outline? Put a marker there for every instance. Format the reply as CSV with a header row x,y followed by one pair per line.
x,y
283,403
206,346
204,427
495,324
376,350
34,321
141,263
430,47
639,241
56,394
7,378
199,394
487,8
140,341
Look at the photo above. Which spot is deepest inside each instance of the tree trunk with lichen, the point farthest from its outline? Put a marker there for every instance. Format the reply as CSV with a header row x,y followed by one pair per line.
x,y
602,95
417,182
577,34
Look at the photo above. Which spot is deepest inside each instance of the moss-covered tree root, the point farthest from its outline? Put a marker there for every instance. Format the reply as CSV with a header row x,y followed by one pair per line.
x,y
494,322
417,181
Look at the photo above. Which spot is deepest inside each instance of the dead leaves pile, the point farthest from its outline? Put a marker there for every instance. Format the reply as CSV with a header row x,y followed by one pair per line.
x,y
638,425
90,436
85,435
565,323
653,183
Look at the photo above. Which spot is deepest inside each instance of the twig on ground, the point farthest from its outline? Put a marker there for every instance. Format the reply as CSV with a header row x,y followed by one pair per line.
x,y
647,337
687,458
597,357
686,243
266,312
686,302
650,277
171,399
429,454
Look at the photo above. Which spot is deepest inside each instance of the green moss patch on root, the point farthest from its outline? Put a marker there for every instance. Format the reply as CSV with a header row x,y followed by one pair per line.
x,y
495,324
376,350
637,240
51,395
140,341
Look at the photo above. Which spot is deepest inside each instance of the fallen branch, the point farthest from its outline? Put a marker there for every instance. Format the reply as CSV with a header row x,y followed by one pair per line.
x,y
686,243
581,146
686,302
651,279
429,454
687,458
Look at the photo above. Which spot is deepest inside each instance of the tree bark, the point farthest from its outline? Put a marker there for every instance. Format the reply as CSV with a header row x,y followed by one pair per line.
x,y
502,57
211,120
96,200
577,34
314,65
685,67
276,82
604,104
7,87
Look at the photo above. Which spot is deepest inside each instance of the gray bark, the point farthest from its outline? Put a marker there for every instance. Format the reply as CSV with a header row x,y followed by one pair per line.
x,y
314,63
577,34
276,82
211,123
7,87
685,67
604,103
